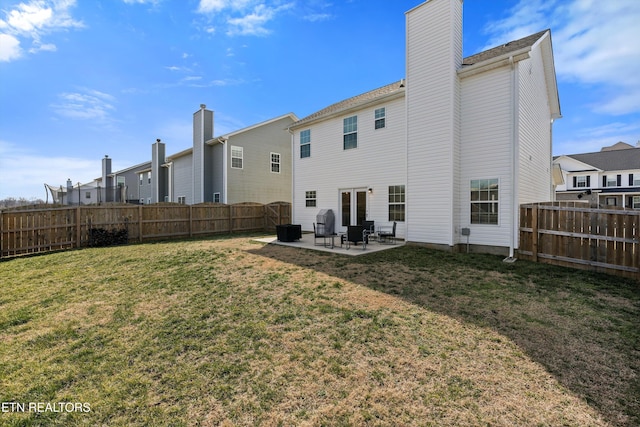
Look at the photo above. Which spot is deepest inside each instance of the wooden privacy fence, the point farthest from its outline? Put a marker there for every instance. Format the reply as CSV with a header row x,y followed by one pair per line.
x,y
574,235
42,230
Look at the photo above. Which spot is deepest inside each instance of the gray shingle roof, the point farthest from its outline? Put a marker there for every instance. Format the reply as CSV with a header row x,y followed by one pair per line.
x,y
353,102
512,46
611,160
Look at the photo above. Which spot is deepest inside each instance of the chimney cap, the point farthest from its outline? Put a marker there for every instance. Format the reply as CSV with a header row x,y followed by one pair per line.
x,y
203,106
157,139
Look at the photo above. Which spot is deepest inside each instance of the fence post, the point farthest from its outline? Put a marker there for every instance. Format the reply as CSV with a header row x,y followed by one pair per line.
x,y
230,219
78,227
534,231
140,223
190,221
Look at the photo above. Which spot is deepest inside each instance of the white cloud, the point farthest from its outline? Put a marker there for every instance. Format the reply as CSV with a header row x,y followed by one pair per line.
x,y
9,48
32,21
87,104
316,17
23,173
244,17
595,43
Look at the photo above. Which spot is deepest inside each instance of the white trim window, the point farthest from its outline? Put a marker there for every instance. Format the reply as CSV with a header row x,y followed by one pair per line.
x,y
484,201
350,133
380,118
635,202
635,180
182,200
582,181
305,143
275,162
216,197
396,203
310,199
237,157
148,177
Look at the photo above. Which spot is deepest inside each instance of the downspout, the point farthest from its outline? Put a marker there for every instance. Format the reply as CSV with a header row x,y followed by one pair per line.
x,y
514,181
223,141
293,174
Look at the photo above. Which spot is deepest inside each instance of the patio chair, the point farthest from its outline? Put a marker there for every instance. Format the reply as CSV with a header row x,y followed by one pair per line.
x,y
356,234
385,235
369,230
317,234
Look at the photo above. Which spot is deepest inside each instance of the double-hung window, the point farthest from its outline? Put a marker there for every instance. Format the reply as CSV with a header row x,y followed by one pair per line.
x,y
350,133
236,157
310,199
581,181
305,143
634,180
484,201
380,114
275,162
396,203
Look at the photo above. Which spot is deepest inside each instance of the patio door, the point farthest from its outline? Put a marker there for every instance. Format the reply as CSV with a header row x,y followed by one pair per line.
x,y
353,206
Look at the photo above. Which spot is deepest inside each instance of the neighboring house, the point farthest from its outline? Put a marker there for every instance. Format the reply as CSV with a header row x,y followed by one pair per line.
x,y
459,144
249,165
610,177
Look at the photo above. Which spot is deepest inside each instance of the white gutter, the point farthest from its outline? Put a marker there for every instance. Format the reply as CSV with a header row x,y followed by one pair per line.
x,y
514,159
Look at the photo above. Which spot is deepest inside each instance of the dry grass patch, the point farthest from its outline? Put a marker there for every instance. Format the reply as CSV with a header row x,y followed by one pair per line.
x,y
232,332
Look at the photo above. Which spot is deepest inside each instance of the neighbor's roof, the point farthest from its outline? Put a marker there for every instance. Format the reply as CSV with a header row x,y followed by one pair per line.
x,y
615,160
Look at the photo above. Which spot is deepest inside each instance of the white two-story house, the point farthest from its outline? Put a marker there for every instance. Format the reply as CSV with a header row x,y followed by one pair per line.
x,y
457,145
610,177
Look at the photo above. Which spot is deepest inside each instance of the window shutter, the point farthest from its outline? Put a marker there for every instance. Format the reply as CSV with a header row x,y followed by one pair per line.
x,y
630,180
619,180
575,181
604,180
588,181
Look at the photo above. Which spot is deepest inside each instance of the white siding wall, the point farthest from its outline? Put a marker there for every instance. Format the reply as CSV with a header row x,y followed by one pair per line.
x,y
378,162
434,53
182,179
486,151
534,170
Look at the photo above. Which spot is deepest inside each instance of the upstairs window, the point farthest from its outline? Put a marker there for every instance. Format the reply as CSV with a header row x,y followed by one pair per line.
x,y
581,181
237,156
634,180
380,118
305,143
275,162
350,133
148,177
611,180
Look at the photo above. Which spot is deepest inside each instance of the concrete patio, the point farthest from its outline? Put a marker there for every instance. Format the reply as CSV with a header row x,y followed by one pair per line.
x,y
307,242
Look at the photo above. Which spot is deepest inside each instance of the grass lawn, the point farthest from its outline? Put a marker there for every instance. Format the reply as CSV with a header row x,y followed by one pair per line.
x,y
234,332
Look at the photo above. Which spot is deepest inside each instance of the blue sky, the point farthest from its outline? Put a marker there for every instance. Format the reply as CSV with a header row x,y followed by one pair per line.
x,y
81,79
